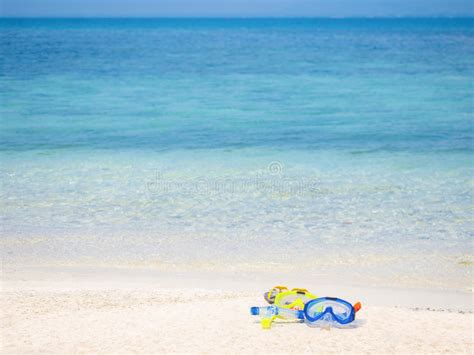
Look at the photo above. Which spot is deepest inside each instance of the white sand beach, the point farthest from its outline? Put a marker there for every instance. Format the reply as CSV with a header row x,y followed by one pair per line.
x,y
74,312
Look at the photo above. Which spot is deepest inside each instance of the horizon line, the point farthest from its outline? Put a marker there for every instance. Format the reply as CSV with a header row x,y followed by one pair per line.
x,y
238,17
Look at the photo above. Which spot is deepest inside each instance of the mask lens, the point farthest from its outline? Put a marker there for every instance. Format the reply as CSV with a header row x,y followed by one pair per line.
x,y
316,309
293,297
341,311
287,300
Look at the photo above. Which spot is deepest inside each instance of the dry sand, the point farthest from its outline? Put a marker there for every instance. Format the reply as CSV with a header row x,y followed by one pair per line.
x,y
70,315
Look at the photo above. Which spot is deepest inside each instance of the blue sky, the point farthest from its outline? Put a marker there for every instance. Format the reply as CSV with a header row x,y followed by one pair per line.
x,y
211,8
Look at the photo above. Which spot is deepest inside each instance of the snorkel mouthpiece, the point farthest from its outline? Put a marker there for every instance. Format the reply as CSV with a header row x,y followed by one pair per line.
x,y
254,311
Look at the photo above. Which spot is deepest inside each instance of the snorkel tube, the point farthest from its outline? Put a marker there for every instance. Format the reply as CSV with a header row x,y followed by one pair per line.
x,y
269,313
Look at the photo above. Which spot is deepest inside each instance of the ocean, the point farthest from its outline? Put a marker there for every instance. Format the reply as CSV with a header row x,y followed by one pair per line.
x,y
341,148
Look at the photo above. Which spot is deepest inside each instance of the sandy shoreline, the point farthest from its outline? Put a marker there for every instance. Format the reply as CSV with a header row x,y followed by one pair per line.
x,y
67,313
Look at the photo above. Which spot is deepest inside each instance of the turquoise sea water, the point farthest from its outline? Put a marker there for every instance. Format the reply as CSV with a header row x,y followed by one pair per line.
x,y
339,147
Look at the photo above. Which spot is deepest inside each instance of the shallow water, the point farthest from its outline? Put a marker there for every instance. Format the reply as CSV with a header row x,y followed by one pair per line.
x,y
336,147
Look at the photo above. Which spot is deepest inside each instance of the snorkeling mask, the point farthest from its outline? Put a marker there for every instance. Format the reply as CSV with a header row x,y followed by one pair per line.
x,y
330,309
271,295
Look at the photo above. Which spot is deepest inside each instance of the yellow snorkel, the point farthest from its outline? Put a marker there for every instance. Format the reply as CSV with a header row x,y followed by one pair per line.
x,y
289,303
